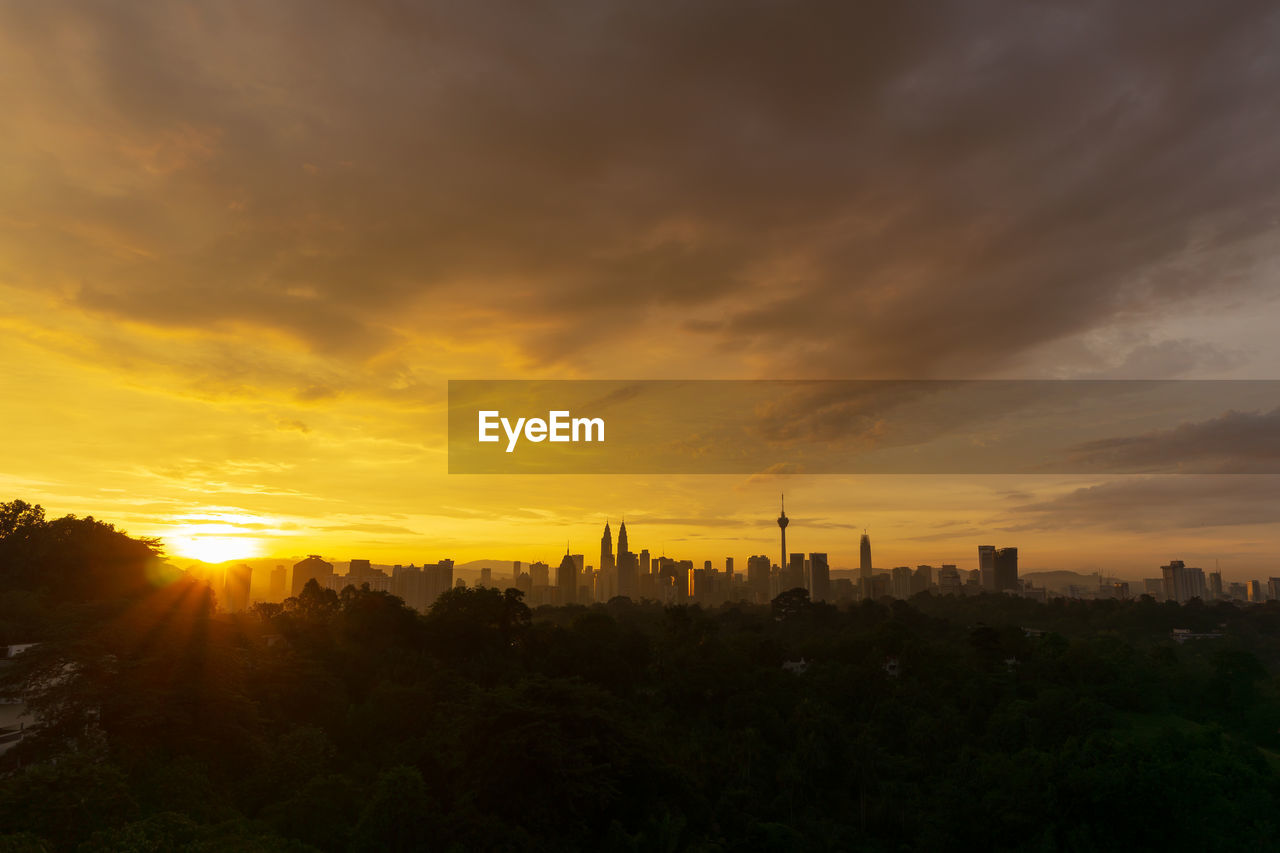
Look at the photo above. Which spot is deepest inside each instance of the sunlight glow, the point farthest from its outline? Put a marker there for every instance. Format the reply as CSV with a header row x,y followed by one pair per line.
x,y
213,549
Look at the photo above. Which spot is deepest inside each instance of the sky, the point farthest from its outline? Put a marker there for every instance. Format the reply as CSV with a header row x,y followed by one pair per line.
x,y
244,246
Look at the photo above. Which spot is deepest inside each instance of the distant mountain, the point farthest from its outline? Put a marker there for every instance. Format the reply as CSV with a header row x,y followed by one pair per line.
x,y
1060,579
471,569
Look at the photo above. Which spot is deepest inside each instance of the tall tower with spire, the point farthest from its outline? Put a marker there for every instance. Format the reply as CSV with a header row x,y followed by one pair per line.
x,y
606,548
606,574
622,538
783,521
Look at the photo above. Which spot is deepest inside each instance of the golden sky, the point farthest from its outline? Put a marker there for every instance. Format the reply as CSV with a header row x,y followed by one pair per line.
x,y
243,247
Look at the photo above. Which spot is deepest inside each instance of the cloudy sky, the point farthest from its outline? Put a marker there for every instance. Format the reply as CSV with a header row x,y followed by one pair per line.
x,y
243,246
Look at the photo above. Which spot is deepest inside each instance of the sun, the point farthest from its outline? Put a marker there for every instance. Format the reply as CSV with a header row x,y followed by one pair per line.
x,y
214,549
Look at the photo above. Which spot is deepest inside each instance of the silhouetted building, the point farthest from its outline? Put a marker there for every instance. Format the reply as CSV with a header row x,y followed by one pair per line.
x,y
606,580
312,568
758,568
279,583
900,586
438,579
819,577
628,573
567,579
540,573
922,579
1006,570
949,581
987,566
1182,583
235,588
795,572
410,583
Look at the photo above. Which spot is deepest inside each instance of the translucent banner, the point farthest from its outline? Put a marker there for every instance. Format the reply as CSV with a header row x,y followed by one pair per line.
x,y
864,426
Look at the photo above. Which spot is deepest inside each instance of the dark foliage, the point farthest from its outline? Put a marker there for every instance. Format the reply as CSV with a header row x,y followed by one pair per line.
x,y
349,722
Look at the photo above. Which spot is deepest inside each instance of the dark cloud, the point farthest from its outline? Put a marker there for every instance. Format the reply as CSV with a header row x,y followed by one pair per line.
x,y
1233,443
883,189
1170,503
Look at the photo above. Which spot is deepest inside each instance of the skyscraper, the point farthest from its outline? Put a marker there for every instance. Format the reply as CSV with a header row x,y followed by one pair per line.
x,y
1006,570
864,566
628,574
987,566
279,583
758,568
312,568
783,521
567,579
900,582
1182,583
235,589
606,549
794,572
819,577
622,538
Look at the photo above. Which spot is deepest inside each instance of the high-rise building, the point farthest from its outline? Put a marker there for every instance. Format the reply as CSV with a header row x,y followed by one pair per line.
x,y
567,579
279,583
1273,589
540,573
645,562
438,579
1255,590
900,582
795,572
949,581
606,580
864,557
622,536
922,580
683,580
1215,585
1181,583
235,588
819,577
628,574
987,567
312,568
1006,570
758,568
486,578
